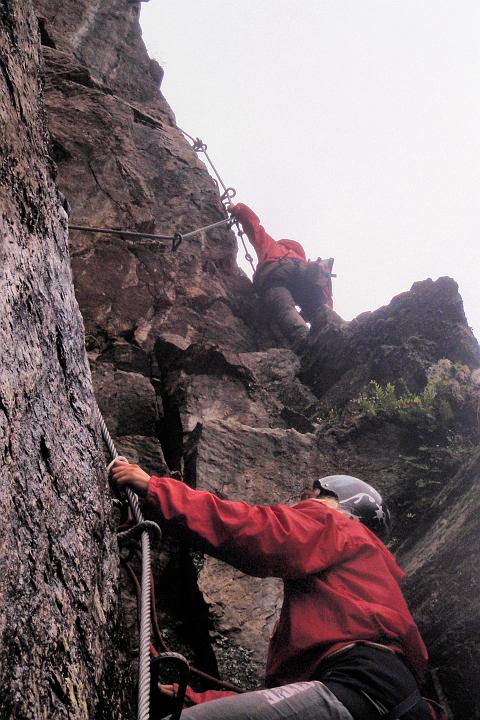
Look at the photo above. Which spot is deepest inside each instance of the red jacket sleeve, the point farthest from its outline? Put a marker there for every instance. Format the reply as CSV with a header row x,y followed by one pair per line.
x,y
261,240
277,541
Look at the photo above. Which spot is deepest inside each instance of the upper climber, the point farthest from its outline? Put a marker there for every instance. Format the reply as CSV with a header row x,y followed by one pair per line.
x,y
285,279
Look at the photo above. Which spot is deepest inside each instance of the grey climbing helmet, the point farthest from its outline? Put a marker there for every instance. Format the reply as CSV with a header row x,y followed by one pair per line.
x,y
359,500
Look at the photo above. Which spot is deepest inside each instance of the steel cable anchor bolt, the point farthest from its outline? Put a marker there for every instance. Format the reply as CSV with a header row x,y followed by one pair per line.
x,y
176,241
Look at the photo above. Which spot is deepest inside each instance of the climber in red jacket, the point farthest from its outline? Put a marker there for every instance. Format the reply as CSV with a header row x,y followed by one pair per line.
x,y
345,645
285,279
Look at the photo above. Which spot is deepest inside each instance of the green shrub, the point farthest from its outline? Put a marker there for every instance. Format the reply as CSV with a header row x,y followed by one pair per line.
x,y
387,402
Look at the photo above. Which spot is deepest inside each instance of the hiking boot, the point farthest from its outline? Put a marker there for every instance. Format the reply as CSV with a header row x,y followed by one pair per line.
x,y
326,316
300,343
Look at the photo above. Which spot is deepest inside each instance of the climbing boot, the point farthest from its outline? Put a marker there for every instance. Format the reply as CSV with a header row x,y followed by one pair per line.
x,y
300,341
326,316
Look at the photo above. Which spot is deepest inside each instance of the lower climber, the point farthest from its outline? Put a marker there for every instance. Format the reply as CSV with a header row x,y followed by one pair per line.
x,y
285,279
345,646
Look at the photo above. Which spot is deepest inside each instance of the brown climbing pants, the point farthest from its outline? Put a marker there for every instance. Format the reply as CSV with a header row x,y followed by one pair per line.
x,y
285,284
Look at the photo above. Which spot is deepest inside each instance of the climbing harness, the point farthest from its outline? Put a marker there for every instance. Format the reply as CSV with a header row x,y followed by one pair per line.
x,y
228,192
176,239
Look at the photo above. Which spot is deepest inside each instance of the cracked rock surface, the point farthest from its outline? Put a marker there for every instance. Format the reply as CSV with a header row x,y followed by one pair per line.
x,y
191,382
58,560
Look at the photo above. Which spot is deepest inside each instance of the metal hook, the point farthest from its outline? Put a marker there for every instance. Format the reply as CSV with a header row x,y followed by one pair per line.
x,y
183,671
176,241
228,195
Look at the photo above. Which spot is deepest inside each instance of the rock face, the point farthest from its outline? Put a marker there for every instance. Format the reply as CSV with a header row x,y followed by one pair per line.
x,y
126,165
190,382
58,565
443,568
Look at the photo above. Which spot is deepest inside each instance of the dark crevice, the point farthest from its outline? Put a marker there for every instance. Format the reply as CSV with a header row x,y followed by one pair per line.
x,y
45,38
53,568
60,692
8,82
61,355
142,119
7,21
101,188
170,433
191,455
46,455
129,336
186,603
8,449
59,152
4,409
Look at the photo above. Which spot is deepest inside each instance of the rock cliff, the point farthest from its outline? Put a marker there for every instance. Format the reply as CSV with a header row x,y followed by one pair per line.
x,y
189,381
58,560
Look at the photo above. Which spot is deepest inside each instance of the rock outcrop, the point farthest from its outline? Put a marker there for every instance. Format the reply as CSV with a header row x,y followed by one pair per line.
x,y
443,568
190,382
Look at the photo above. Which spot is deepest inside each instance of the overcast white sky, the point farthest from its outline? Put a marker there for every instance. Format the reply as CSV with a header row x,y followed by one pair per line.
x,y
352,126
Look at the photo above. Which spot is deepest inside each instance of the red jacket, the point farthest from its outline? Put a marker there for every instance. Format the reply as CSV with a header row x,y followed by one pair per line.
x,y
340,582
266,247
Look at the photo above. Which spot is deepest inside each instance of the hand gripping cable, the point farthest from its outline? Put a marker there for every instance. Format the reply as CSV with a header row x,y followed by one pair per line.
x,y
143,528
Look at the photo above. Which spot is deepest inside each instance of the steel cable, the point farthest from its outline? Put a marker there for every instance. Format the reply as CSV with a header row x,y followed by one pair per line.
x,y
153,236
226,684
116,231
143,706
228,192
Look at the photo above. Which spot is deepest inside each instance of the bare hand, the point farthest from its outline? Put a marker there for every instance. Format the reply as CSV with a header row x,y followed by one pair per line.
x,y
168,690
125,473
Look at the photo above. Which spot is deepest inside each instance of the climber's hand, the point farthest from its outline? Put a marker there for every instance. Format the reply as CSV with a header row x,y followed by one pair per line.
x,y
167,690
125,473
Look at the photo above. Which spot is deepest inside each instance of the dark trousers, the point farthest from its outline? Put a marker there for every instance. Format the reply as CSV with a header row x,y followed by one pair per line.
x,y
285,284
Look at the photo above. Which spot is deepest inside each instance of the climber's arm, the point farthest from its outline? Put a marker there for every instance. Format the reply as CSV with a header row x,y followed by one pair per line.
x,y
261,240
260,540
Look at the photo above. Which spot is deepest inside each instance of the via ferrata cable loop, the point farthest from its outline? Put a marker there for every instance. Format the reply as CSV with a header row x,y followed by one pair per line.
x,y
228,195
199,146
226,199
135,532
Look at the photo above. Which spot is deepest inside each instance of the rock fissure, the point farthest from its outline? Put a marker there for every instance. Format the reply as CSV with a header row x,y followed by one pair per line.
x,y
8,83
100,186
